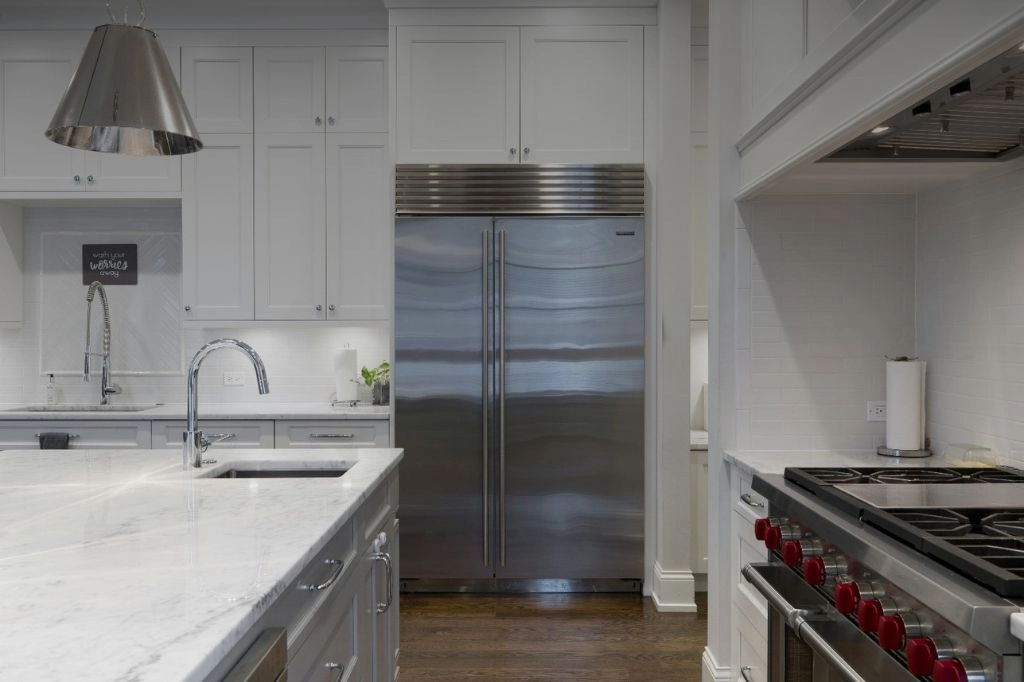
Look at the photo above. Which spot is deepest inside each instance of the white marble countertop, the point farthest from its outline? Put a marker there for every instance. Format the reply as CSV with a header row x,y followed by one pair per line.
x,y
255,410
776,461
119,565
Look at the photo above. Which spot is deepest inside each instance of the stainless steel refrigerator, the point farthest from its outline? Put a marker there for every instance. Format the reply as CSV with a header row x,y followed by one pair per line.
x,y
519,381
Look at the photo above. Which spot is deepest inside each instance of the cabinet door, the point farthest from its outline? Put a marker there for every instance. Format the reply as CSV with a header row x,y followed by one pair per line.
x,y
316,433
358,227
217,85
32,83
290,227
458,94
217,229
357,89
122,173
385,635
583,97
288,89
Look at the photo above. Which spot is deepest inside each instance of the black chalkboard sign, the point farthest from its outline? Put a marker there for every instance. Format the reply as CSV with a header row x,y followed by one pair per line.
x,y
110,263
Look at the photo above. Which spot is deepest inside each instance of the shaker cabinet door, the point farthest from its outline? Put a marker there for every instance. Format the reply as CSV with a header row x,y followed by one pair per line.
x,y
217,85
32,82
358,227
217,229
290,227
288,89
458,94
582,96
357,90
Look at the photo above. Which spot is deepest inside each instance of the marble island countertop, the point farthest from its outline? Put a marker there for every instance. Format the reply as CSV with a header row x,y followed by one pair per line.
x,y
255,410
119,565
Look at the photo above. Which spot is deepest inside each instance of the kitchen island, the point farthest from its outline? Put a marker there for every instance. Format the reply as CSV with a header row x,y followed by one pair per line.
x,y
119,565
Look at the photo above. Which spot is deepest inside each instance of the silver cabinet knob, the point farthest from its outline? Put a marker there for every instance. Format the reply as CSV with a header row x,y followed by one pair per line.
x,y
318,120
511,150
188,308
526,150
319,307
89,179
330,120
331,307
78,179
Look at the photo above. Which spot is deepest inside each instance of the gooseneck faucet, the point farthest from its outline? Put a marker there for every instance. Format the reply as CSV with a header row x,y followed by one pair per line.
x,y
106,388
195,443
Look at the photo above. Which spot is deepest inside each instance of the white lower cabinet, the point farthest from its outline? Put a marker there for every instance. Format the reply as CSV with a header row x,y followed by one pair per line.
x,y
752,652
341,619
749,609
699,509
349,433
24,435
240,433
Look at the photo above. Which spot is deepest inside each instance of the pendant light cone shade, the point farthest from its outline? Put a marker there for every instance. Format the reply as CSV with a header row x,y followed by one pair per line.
x,y
123,99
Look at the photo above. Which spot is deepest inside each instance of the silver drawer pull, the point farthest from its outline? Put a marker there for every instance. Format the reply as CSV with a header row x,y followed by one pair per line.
x,y
330,581
332,435
336,666
389,578
750,501
745,672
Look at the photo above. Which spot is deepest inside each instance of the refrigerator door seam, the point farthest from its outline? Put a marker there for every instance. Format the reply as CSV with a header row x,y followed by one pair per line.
x,y
501,395
485,237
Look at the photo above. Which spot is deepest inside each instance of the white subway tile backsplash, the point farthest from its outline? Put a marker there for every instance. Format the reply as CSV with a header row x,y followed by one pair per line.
x,y
830,293
299,358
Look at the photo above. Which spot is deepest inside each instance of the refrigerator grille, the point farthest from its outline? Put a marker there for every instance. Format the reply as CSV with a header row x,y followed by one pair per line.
x,y
500,189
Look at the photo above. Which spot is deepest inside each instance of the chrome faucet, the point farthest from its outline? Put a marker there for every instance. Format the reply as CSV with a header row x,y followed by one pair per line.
x,y
195,443
106,388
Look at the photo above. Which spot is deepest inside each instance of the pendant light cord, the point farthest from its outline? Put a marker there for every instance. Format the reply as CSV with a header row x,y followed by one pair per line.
x,y
142,14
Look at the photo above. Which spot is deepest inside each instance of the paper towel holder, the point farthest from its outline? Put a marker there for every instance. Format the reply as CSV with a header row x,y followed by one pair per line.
x,y
904,454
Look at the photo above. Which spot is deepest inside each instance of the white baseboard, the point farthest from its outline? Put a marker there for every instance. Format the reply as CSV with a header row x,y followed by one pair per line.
x,y
673,590
711,671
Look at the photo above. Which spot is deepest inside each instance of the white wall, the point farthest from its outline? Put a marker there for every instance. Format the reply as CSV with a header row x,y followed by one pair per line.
x,y
824,290
698,372
147,317
970,313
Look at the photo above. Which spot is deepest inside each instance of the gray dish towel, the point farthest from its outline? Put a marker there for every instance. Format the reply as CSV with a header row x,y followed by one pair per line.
x,y
54,440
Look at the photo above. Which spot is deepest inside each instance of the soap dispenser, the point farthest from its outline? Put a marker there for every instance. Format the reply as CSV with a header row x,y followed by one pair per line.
x,y
51,392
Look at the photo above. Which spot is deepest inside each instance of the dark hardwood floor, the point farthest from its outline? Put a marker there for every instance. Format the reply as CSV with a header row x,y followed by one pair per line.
x,y
548,637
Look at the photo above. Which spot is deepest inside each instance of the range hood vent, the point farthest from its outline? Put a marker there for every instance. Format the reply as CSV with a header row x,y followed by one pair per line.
x,y
979,117
520,189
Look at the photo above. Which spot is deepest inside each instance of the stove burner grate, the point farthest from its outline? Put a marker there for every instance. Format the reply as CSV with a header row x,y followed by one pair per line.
x,y
915,476
938,522
1008,523
995,476
832,475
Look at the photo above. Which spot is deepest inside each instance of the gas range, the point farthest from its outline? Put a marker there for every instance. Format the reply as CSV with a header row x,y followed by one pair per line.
x,y
915,571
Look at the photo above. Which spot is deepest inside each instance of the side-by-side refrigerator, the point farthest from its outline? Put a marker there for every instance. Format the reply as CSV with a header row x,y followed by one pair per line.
x,y
519,400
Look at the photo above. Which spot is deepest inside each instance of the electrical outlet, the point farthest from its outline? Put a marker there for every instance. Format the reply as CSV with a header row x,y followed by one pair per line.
x,y
234,378
876,411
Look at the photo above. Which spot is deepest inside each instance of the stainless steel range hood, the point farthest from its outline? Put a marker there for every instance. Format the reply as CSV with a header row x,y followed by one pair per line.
x,y
979,117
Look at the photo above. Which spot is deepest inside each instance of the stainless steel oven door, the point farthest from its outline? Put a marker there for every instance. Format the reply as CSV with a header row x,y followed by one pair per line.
x,y
809,641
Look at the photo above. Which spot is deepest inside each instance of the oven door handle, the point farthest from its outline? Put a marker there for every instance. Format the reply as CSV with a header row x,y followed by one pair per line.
x,y
825,633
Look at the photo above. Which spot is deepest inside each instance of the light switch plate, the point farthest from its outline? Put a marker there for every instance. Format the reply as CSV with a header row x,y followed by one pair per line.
x,y
234,378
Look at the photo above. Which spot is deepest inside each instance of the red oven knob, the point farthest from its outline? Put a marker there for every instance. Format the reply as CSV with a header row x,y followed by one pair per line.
x,y
792,553
814,570
761,527
847,595
949,670
773,537
921,656
963,669
891,632
868,613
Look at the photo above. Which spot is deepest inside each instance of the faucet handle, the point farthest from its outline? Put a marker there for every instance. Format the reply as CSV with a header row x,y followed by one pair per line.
x,y
112,389
215,438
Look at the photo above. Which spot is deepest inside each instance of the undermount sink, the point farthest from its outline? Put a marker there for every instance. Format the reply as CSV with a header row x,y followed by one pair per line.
x,y
280,473
82,408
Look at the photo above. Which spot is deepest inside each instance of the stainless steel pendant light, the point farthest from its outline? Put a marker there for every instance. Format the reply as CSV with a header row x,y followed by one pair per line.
x,y
123,98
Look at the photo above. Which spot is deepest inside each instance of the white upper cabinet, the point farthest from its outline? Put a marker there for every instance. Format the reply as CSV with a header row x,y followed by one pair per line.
x,y
121,173
290,226
582,94
358,227
217,229
458,94
31,85
217,85
357,90
289,89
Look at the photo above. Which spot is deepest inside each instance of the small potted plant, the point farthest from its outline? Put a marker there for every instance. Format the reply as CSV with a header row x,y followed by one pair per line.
x,y
379,381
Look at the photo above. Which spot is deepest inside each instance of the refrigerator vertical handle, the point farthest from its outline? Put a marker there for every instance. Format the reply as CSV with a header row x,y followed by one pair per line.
x,y
501,396
485,296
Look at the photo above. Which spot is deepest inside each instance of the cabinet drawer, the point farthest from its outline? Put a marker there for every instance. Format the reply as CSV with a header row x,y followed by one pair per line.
x,y
748,502
752,651
247,434
331,434
330,649
748,551
84,434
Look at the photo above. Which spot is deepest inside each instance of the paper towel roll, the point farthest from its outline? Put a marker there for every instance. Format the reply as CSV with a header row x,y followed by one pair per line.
x,y
344,374
904,404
